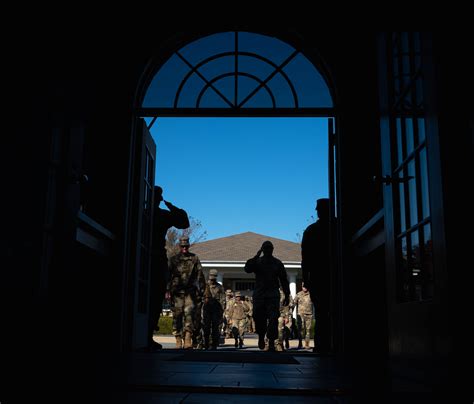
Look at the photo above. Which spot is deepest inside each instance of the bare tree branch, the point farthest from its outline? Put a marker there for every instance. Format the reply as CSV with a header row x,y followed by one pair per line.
x,y
194,232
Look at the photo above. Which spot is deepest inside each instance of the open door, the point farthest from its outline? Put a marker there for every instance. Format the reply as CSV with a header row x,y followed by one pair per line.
x,y
142,211
413,208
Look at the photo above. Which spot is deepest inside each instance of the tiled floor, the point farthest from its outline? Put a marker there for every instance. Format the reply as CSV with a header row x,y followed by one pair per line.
x,y
161,378
248,375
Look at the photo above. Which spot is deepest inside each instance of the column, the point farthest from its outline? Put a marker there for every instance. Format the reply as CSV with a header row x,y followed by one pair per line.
x,y
292,280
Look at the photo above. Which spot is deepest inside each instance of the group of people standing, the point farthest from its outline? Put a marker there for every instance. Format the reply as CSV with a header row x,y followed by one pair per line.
x,y
198,304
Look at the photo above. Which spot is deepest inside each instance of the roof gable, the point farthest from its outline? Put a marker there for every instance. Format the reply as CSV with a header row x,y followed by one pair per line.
x,y
241,247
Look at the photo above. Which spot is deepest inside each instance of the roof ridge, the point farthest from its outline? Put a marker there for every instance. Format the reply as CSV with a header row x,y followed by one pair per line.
x,y
246,232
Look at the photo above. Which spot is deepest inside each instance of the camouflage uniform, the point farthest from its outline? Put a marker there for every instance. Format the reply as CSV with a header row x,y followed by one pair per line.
x,y
229,301
250,320
187,285
212,310
284,322
238,314
304,314
197,320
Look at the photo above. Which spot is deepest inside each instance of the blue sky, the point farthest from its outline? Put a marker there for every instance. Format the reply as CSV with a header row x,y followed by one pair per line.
x,y
244,174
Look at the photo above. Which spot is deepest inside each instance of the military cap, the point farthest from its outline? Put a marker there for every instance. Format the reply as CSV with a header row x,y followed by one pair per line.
x,y
228,292
184,241
158,191
213,273
322,204
237,294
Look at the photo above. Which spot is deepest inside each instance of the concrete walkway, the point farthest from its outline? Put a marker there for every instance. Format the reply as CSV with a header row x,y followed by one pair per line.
x,y
250,343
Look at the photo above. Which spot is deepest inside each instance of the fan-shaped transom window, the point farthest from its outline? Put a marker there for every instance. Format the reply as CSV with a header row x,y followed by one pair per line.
x,y
237,70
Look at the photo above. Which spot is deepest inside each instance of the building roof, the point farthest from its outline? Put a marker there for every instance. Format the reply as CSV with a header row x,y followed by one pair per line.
x,y
241,247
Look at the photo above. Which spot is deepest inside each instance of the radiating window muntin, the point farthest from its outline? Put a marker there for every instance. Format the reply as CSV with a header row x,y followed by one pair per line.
x,y
237,70
415,272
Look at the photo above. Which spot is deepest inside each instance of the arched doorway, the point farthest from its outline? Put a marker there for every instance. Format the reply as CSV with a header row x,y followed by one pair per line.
x,y
225,74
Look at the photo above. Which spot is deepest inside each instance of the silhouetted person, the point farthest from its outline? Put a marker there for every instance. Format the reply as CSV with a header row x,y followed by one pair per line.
x,y
162,220
270,274
316,267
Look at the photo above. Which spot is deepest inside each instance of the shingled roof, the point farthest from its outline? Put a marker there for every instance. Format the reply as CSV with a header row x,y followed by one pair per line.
x,y
241,247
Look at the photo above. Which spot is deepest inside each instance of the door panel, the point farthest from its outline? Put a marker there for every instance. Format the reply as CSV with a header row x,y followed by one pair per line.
x,y
409,157
144,184
336,287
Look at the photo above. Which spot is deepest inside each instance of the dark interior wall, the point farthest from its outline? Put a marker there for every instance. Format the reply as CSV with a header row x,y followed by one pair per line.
x,y
454,73
63,315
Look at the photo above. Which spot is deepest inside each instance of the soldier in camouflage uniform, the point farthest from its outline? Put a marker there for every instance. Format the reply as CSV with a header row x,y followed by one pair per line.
x,y
250,320
229,300
187,285
270,275
212,310
198,331
238,314
284,322
304,315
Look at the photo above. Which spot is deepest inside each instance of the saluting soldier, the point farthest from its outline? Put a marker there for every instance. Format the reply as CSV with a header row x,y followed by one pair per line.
x,y
270,275
238,314
304,315
212,310
187,286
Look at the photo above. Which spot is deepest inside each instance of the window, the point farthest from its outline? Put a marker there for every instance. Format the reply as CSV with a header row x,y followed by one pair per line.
x,y
237,70
244,285
410,166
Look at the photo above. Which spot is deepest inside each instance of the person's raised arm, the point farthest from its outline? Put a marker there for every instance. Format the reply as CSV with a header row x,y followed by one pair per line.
x,y
251,264
180,218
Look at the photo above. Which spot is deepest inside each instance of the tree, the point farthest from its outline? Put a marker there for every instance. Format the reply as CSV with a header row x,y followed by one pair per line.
x,y
194,232
299,236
